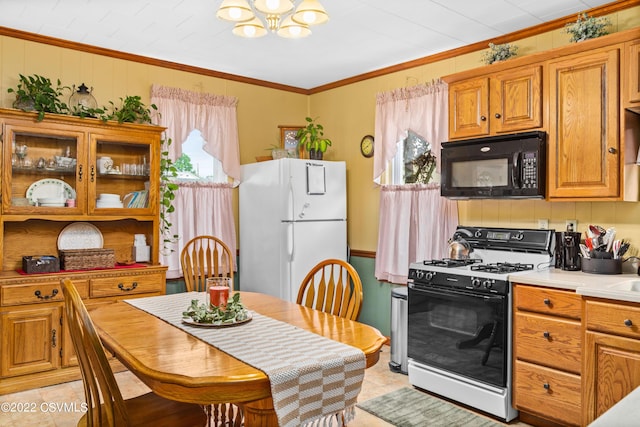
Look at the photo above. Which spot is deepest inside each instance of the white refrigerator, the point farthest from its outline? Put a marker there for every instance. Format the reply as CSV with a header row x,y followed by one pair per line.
x,y
293,214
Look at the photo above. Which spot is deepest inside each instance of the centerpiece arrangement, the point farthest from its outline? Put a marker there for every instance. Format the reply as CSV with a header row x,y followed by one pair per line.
x,y
230,314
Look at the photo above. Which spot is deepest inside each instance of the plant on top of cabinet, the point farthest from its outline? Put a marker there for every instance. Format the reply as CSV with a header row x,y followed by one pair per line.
x,y
499,52
311,137
132,110
587,27
36,93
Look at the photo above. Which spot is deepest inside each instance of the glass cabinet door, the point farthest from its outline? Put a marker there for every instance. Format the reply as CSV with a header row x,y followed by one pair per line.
x,y
45,176
120,177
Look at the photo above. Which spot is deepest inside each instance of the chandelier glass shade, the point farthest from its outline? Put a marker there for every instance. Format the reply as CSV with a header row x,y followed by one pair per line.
x,y
281,17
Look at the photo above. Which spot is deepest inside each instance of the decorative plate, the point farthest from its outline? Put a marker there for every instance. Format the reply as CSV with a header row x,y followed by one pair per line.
x,y
192,322
80,235
50,188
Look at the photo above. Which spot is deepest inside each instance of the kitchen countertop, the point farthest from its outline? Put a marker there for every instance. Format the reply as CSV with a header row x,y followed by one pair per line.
x,y
594,285
624,413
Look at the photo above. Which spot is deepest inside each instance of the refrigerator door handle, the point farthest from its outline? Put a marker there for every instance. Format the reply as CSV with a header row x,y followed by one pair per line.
x,y
290,230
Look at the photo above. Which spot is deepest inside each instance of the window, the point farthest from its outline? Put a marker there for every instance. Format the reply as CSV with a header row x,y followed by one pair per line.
x,y
414,163
196,164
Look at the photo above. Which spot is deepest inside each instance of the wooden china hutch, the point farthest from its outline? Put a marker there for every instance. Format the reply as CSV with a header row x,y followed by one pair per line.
x,y
51,179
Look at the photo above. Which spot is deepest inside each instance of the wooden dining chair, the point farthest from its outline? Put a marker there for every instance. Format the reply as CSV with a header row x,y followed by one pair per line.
x,y
100,384
333,286
203,257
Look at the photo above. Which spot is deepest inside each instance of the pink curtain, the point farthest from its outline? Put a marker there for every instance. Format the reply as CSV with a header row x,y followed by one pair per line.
x,y
415,222
422,109
182,111
201,208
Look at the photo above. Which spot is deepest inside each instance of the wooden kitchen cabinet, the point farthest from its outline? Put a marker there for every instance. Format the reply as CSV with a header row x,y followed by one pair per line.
x,y
36,346
30,340
633,74
504,102
612,354
547,352
584,143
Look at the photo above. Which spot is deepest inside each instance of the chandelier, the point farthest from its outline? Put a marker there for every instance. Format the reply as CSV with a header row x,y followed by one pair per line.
x,y
280,16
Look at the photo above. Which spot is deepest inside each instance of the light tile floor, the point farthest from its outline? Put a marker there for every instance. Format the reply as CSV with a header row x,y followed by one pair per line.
x,y
38,406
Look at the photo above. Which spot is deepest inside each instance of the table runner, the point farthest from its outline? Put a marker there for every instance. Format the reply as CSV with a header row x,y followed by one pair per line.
x,y
312,378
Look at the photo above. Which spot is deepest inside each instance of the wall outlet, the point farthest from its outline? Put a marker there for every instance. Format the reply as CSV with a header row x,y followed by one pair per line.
x,y
543,224
571,224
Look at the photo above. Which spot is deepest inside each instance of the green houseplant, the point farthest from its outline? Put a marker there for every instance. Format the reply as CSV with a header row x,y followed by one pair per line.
x,y
37,93
312,138
131,110
499,52
168,188
587,27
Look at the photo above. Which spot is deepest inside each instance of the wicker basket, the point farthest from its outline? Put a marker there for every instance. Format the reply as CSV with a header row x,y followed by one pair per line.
x,y
87,259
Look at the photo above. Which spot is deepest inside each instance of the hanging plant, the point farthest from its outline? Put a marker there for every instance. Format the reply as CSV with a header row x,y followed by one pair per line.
x,y
587,27
168,188
499,52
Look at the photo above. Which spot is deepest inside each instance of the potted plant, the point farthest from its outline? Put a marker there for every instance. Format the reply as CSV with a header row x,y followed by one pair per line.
x,y
132,110
587,27
311,137
499,52
36,93
168,188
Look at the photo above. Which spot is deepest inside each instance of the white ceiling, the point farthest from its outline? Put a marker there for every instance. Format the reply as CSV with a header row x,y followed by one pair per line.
x,y
361,35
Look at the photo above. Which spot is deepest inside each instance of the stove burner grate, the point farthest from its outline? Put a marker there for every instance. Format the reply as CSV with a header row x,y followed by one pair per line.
x,y
450,262
502,267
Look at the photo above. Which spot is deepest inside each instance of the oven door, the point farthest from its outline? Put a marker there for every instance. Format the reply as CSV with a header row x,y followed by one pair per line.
x,y
459,331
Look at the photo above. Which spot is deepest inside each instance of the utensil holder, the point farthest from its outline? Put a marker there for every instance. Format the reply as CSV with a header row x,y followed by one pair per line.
x,y
601,266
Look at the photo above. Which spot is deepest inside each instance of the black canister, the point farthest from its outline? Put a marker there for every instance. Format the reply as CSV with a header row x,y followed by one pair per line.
x,y
571,251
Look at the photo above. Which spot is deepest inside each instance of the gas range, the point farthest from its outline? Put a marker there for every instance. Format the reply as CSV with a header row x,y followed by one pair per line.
x,y
498,253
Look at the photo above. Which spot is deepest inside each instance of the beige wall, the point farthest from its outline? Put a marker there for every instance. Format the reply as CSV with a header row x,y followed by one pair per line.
x,y
347,114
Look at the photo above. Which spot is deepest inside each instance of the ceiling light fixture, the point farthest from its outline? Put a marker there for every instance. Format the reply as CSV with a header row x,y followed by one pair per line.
x,y
279,15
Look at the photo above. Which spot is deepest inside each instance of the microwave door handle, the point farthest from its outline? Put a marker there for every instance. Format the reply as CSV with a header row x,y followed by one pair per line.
x,y
515,176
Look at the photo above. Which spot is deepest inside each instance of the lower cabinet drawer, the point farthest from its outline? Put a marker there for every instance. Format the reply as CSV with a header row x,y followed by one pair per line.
x,y
548,393
613,318
35,293
548,341
121,286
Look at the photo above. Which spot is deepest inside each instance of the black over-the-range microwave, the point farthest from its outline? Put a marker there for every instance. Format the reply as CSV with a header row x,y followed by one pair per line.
x,y
496,167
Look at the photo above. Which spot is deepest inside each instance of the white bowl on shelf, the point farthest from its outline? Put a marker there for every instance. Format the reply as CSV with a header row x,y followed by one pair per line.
x,y
107,197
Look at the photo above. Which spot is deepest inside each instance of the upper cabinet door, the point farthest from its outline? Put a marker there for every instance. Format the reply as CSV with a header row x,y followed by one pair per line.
x,y
583,135
468,108
123,173
633,76
45,170
516,100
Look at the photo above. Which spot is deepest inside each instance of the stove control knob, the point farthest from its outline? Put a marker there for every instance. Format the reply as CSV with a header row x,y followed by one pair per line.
x,y
475,282
518,236
419,274
429,275
488,284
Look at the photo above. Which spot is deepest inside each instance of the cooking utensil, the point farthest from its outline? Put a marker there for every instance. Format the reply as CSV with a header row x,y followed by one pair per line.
x,y
597,230
584,250
624,246
610,237
616,249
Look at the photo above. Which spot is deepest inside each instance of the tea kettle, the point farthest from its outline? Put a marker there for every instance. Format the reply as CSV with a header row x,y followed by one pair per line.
x,y
459,248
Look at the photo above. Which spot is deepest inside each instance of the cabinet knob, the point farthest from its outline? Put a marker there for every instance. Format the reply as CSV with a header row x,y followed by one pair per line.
x,y
546,386
546,334
546,301
612,150
483,118
498,115
93,173
628,322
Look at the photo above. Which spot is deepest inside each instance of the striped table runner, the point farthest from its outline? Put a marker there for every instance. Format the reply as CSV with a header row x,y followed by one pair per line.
x,y
312,378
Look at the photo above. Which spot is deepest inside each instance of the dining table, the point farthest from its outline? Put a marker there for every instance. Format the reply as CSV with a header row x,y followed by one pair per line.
x,y
177,365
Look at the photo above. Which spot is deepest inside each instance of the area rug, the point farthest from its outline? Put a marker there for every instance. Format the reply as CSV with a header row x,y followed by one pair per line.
x,y
409,407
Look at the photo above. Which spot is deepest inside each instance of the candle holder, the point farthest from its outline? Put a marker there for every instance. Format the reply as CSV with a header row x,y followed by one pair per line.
x,y
219,289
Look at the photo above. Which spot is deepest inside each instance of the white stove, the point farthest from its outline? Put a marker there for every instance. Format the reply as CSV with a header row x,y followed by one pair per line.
x,y
459,331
